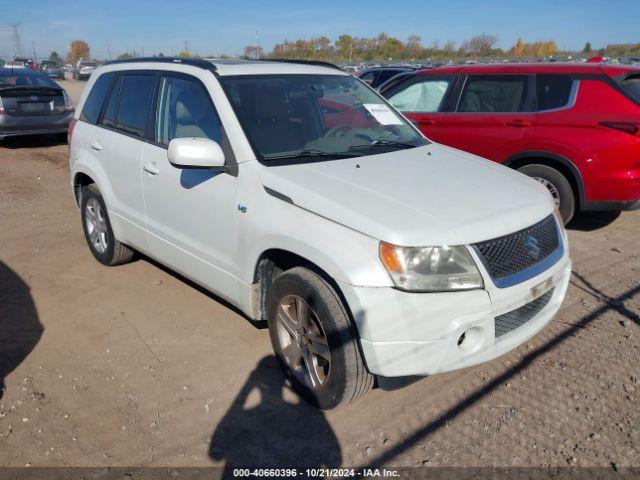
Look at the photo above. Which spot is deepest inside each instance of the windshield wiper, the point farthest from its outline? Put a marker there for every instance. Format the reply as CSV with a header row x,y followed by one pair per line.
x,y
383,143
309,153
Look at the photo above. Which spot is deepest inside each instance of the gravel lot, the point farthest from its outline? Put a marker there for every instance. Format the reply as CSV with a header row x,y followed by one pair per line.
x,y
134,366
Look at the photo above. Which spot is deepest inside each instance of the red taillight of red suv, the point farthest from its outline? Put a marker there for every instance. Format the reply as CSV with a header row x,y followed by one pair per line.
x,y
627,127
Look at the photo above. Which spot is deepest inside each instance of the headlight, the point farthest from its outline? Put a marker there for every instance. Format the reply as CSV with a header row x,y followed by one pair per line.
x,y
430,269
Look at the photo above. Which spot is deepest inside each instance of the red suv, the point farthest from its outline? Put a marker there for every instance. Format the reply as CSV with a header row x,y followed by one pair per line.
x,y
573,127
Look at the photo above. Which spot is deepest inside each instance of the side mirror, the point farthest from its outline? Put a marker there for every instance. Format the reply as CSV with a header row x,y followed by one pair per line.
x,y
195,153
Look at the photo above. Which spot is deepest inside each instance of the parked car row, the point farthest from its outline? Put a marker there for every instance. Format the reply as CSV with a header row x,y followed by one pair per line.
x,y
573,127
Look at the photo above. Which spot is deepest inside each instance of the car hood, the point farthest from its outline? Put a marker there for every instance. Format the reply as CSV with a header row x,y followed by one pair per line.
x,y
431,195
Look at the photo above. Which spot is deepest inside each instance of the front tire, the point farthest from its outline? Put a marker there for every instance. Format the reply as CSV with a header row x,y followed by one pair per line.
x,y
98,232
558,186
314,340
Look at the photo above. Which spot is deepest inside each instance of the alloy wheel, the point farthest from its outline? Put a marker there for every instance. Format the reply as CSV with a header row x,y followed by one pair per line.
x,y
303,341
96,223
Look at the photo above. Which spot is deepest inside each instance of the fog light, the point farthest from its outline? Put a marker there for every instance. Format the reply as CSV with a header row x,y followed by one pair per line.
x,y
470,339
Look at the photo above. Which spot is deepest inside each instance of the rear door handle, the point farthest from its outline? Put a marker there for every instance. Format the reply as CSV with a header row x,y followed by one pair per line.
x,y
151,169
96,145
519,123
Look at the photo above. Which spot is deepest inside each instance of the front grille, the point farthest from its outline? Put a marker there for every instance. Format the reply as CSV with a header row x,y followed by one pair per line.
x,y
516,318
508,255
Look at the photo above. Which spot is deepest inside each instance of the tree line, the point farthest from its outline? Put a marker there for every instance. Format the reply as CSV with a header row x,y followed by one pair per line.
x,y
386,48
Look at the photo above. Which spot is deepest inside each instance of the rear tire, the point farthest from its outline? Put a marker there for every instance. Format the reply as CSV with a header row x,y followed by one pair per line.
x,y
319,354
558,186
98,232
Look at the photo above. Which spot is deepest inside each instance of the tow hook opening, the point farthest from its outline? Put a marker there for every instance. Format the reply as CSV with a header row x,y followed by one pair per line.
x,y
470,339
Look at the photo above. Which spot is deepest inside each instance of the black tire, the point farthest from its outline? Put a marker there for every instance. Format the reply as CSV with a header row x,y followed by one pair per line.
x,y
115,252
348,378
558,182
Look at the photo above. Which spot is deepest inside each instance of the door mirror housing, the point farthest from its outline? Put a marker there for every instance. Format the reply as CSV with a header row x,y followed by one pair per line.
x,y
191,152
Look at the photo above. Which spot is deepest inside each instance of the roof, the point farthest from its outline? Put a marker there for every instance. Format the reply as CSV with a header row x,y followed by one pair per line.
x,y
531,68
242,67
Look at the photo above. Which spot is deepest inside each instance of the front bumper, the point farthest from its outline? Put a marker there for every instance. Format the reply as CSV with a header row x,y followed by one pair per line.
x,y
417,334
34,125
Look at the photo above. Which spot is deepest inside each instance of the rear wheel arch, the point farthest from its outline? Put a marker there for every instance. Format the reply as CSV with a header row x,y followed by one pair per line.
x,y
80,181
555,161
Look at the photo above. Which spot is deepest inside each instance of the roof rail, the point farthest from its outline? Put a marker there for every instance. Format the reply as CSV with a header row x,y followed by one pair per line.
x,y
318,63
194,62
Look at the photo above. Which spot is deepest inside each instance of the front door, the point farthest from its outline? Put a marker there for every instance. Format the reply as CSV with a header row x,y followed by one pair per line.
x,y
191,213
422,100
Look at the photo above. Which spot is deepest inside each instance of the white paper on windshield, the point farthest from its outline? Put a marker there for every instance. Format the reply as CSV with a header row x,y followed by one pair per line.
x,y
382,114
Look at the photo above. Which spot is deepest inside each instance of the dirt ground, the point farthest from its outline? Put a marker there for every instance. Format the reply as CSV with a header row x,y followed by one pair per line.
x,y
134,366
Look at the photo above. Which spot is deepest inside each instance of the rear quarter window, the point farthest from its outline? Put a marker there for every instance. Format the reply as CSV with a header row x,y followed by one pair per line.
x,y
631,85
95,99
553,91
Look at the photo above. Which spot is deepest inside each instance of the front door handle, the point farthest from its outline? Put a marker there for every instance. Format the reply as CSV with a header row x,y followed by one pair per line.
x,y
427,121
151,169
519,123
96,145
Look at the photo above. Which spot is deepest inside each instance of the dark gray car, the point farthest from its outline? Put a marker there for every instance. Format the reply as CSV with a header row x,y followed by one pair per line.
x,y
51,69
32,104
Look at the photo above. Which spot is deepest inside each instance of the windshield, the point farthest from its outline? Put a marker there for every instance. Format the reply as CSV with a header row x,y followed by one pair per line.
x,y
324,116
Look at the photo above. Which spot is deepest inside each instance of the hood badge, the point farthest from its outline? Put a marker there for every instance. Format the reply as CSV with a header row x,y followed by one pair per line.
x,y
531,244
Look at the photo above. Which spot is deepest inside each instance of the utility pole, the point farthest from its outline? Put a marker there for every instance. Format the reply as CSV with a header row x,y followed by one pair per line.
x,y
186,45
35,55
257,45
109,50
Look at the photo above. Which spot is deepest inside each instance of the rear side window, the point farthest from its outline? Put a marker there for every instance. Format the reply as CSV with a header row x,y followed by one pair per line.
x,y
632,86
489,94
133,107
425,96
95,100
553,91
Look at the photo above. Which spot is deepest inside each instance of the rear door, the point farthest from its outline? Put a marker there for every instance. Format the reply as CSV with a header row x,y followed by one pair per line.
x,y
494,116
118,145
423,99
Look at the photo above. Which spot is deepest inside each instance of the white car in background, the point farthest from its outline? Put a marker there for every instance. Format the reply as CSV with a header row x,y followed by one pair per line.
x,y
298,194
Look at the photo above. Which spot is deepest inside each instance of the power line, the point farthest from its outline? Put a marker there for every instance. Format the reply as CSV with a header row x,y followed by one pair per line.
x,y
15,36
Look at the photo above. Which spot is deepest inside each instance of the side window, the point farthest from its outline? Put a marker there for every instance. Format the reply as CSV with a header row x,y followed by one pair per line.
x,y
632,86
386,75
185,110
135,99
109,117
489,94
368,77
553,91
424,96
95,100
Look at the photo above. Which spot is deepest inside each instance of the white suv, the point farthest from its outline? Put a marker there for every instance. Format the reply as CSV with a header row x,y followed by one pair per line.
x,y
295,192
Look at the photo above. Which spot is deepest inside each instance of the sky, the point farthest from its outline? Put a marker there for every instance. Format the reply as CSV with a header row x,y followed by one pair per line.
x,y
226,27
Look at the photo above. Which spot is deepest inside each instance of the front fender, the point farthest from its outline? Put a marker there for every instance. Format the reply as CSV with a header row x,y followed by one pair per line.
x,y
346,255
